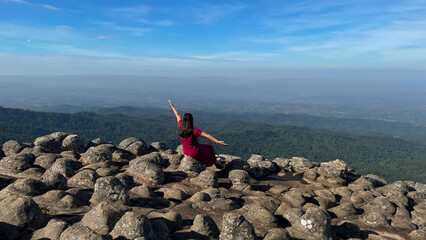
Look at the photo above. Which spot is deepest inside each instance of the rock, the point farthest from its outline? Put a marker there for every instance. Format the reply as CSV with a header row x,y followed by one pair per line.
x,y
205,179
2,155
85,179
343,210
121,155
376,180
204,225
24,187
175,159
46,160
97,142
361,184
104,216
375,219
268,165
141,191
348,230
403,225
174,194
158,146
51,143
311,174
336,168
71,155
359,198
80,232
315,223
192,165
416,197
240,180
171,218
17,163
259,216
52,231
237,164
199,197
418,215
254,159
134,145
21,212
74,143
132,226
381,205
143,170
109,189
69,201
258,172
54,180
300,164
235,226
277,234
292,215
295,198
418,234
98,154
179,149
105,172
229,158
160,229
282,163
420,187
62,166
12,147
126,180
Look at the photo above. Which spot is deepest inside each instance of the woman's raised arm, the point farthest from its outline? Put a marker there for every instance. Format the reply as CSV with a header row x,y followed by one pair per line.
x,y
211,138
178,118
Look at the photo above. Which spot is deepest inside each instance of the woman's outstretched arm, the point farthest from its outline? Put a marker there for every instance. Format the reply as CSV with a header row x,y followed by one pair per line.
x,y
211,138
178,118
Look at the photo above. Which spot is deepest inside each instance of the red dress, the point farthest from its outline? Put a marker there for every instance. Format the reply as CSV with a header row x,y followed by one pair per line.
x,y
199,151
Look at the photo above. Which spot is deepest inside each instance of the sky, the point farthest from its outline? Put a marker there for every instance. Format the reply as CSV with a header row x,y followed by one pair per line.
x,y
269,38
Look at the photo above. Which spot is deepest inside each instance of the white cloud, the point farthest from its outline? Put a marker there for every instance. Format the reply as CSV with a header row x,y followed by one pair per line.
x,y
49,7
103,37
157,23
209,14
135,31
135,11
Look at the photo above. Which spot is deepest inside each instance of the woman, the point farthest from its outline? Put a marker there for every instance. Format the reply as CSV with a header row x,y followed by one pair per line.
x,y
189,138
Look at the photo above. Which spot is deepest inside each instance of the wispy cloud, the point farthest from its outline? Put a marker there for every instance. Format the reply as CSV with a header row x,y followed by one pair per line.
x,y
157,23
103,37
209,14
49,7
135,11
135,31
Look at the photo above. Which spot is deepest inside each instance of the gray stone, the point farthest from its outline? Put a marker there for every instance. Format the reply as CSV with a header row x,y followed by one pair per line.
x,y
17,163
268,165
315,223
277,234
254,159
74,143
258,172
179,149
160,229
205,225
141,191
336,168
343,210
21,212
132,226
192,165
51,143
24,187
109,189
205,179
46,160
311,174
62,166
144,170
282,163
173,194
375,219
104,216
54,180
300,164
12,147
237,164
240,179
376,180
158,146
259,216
381,205
236,227
84,179
52,231
97,154
126,180
295,198
80,232
134,145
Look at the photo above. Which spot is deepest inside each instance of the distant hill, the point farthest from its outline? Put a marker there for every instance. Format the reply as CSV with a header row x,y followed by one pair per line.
x,y
387,156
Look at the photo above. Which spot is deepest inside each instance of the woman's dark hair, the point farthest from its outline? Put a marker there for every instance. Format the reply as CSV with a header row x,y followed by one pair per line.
x,y
186,129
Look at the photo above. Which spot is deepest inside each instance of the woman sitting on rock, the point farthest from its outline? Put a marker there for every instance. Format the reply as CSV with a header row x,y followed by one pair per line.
x,y
189,137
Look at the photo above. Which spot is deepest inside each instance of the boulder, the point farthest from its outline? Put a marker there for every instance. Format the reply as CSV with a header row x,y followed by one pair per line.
x,y
258,172
46,160
144,170
54,180
173,194
134,145
376,180
160,229
205,225
268,165
295,198
315,223
51,143
104,216
311,174
17,163
62,166
133,226
158,146
52,231
74,143
171,218
237,164
109,189
12,147
21,212
343,210
282,163
126,180
254,159
205,179
375,219
300,164
84,179
381,205
277,234
336,168
80,232
259,216
240,180
97,142
191,165
418,214
97,154
179,149
235,226
24,187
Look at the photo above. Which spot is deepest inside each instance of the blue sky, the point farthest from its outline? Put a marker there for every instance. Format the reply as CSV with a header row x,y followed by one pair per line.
x,y
152,37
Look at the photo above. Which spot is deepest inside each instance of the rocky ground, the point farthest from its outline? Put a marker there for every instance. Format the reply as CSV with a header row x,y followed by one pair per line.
x,y
58,188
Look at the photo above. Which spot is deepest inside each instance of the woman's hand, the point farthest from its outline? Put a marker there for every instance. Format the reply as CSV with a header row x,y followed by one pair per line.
x,y
222,143
178,118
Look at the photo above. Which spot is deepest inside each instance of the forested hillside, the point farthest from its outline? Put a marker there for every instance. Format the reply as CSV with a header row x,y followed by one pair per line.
x,y
394,159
